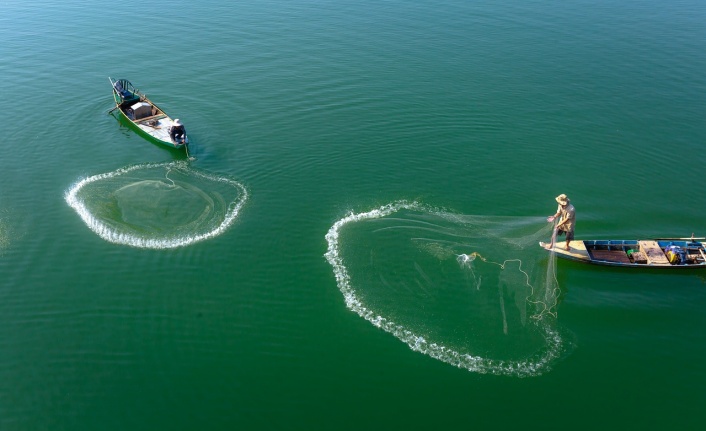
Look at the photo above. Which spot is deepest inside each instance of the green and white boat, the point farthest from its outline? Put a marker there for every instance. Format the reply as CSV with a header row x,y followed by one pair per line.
x,y
146,117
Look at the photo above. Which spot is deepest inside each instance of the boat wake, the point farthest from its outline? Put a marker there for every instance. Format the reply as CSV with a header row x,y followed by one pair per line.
x,y
157,205
470,291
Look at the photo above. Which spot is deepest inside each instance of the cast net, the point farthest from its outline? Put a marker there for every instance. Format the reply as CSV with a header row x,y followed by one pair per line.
x,y
162,205
473,291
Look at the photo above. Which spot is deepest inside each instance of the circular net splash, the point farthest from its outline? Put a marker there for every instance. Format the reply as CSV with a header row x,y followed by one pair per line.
x,y
475,292
163,205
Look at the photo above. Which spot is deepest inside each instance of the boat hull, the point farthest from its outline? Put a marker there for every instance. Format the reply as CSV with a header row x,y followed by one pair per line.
x,y
633,253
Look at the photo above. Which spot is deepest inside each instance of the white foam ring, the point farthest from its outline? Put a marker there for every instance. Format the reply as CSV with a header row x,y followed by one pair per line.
x,y
109,234
533,366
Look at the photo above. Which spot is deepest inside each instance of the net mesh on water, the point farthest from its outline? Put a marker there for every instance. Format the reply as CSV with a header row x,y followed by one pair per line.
x,y
157,205
473,291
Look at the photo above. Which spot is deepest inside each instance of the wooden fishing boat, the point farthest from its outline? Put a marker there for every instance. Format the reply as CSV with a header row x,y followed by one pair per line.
x,y
654,253
146,117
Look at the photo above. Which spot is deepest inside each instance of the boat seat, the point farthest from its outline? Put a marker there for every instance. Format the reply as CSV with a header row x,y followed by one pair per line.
x,y
127,96
654,253
152,117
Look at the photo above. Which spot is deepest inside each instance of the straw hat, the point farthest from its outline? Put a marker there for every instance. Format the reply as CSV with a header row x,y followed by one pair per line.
x,y
562,199
177,122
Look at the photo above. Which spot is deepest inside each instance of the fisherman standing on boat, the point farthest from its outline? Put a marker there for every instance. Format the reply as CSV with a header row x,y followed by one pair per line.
x,y
567,218
177,132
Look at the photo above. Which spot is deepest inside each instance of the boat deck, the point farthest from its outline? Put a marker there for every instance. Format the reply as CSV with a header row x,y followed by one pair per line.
x,y
577,252
618,256
157,127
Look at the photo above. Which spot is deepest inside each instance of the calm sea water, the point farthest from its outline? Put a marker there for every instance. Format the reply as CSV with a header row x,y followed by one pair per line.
x,y
303,113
